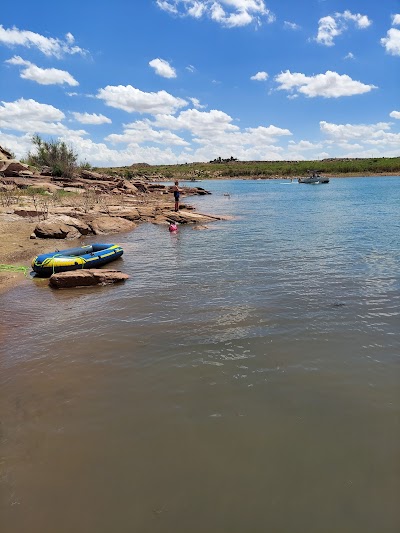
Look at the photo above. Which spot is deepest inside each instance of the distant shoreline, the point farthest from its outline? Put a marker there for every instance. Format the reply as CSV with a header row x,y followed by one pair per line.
x,y
281,177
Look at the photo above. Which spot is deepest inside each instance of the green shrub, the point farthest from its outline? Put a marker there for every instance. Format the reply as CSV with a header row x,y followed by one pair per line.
x,y
54,154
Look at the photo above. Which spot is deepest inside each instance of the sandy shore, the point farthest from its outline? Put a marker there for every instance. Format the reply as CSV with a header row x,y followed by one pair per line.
x,y
18,249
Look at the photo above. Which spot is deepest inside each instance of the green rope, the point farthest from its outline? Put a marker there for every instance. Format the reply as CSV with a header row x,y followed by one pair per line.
x,y
15,268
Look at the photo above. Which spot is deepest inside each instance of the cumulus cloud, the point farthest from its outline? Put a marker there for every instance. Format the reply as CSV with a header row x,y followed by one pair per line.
x,y
196,103
228,13
374,134
203,136
163,68
134,100
30,117
49,46
91,118
331,26
20,145
260,76
391,42
141,131
329,85
214,132
395,114
43,76
360,140
200,123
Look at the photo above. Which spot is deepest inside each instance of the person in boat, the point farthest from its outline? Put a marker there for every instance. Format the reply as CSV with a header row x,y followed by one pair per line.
x,y
177,191
173,227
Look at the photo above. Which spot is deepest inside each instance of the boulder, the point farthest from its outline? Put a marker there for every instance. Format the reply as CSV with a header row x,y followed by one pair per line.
x,y
182,217
129,186
90,175
146,212
61,227
46,171
28,213
86,278
5,154
12,167
200,227
130,213
105,224
140,186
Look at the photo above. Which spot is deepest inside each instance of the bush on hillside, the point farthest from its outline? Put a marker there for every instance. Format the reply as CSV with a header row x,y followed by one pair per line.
x,y
54,154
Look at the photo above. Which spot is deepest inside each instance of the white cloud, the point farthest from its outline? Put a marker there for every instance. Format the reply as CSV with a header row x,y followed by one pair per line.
x,y
196,103
395,114
361,21
30,116
396,20
303,150
329,85
260,76
47,76
141,131
290,25
191,68
350,55
392,42
228,13
167,6
24,111
18,144
304,145
214,132
134,100
210,134
365,134
88,118
331,26
49,46
200,123
360,140
163,68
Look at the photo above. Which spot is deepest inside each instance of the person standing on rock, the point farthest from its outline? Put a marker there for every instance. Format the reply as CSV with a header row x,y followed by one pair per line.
x,y
176,190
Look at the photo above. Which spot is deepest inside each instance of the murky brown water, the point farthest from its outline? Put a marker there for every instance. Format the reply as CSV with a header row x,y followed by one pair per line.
x,y
240,381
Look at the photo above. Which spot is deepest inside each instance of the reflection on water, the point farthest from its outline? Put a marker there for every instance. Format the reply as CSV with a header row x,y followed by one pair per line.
x,y
243,379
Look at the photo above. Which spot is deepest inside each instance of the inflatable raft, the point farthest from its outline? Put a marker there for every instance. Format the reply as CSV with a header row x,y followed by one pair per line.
x,y
91,256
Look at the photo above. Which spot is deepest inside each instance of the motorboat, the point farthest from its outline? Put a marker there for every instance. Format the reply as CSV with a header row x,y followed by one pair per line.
x,y
314,177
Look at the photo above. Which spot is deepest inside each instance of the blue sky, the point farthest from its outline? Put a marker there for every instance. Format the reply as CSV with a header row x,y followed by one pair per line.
x,y
175,81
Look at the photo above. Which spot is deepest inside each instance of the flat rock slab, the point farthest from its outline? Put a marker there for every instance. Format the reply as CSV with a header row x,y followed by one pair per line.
x,y
86,278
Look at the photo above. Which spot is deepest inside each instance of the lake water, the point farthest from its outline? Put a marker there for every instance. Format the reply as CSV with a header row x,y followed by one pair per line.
x,y
245,379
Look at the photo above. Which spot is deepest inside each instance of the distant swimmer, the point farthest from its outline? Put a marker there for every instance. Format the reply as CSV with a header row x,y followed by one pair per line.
x,y
173,227
227,194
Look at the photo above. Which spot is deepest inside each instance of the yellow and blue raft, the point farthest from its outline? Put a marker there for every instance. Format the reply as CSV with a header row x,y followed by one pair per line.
x,y
91,256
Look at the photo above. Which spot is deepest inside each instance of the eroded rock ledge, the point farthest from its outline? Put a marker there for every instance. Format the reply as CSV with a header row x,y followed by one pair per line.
x,y
86,278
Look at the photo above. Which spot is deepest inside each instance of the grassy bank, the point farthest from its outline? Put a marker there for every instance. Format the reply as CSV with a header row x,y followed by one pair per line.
x,y
260,169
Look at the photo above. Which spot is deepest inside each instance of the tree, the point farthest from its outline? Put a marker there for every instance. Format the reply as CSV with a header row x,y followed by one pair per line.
x,y
54,154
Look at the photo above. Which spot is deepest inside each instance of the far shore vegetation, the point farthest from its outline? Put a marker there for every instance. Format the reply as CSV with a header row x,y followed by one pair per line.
x,y
231,168
62,161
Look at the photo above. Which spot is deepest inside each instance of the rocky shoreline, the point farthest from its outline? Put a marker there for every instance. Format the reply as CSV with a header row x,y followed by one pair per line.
x,y
37,211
